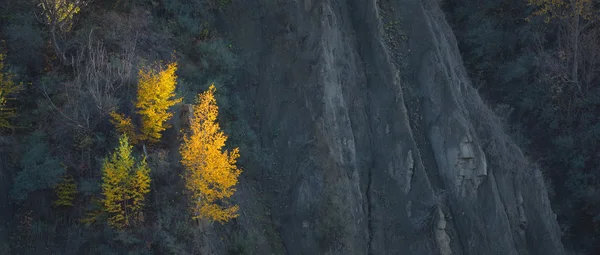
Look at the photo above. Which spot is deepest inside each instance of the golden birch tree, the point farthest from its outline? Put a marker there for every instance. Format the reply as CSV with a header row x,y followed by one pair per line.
x,y
156,94
210,172
124,186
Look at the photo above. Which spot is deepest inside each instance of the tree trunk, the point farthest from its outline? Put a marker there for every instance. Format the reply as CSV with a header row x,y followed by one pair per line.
x,y
57,49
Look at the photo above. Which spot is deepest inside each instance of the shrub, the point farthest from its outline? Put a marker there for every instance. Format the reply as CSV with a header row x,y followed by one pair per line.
x,y
65,191
25,43
39,169
218,59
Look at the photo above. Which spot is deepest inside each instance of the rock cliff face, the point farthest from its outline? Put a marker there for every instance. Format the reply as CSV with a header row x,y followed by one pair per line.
x,y
380,144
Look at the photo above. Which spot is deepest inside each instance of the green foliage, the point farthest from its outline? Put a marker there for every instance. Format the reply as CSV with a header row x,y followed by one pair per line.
x,y
188,16
118,5
25,43
495,43
222,3
217,64
89,187
217,58
173,229
160,164
239,245
39,169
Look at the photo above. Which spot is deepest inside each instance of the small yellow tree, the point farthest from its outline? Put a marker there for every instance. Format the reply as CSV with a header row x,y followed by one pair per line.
x,y
65,191
156,94
124,186
7,88
210,173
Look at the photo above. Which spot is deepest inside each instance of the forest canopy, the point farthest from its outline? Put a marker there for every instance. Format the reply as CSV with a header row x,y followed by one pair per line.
x,y
91,94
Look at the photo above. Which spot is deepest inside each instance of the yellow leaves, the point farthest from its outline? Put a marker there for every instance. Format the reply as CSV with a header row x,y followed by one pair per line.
x,y
218,213
7,88
65,191
210,173
156,92
140,186
60,12
155,95
124,187
124,126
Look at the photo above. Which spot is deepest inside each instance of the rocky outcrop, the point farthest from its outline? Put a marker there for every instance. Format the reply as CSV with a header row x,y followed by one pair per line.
x,y
382,146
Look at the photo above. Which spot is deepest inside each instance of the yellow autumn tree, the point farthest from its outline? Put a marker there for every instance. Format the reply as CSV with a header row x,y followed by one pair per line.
x,y
65,191
210,173
7,89
156,94
139,187
124,186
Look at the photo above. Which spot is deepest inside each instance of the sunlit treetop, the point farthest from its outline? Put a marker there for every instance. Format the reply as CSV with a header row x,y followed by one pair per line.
x,y
60,12
156,94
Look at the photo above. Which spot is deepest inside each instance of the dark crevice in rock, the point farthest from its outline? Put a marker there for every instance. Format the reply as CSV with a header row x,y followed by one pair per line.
x,y
369,214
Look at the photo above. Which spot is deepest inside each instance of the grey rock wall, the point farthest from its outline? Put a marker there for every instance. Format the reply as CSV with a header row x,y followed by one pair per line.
x,y
380,143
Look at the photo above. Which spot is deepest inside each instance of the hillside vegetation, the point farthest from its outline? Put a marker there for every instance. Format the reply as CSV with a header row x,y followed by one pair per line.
x,y
91,93
537,63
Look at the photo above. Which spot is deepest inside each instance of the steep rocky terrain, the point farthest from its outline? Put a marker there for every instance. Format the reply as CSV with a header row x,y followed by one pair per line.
x,y
380,144
376,141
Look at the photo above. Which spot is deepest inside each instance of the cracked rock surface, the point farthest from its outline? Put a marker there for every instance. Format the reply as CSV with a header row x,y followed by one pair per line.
x,y
383,146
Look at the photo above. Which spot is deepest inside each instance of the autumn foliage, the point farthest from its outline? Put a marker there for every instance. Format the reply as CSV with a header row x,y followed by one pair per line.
x,y
211,173
58,16
65,191
60,12
156,94
7,89
124,126
125,185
